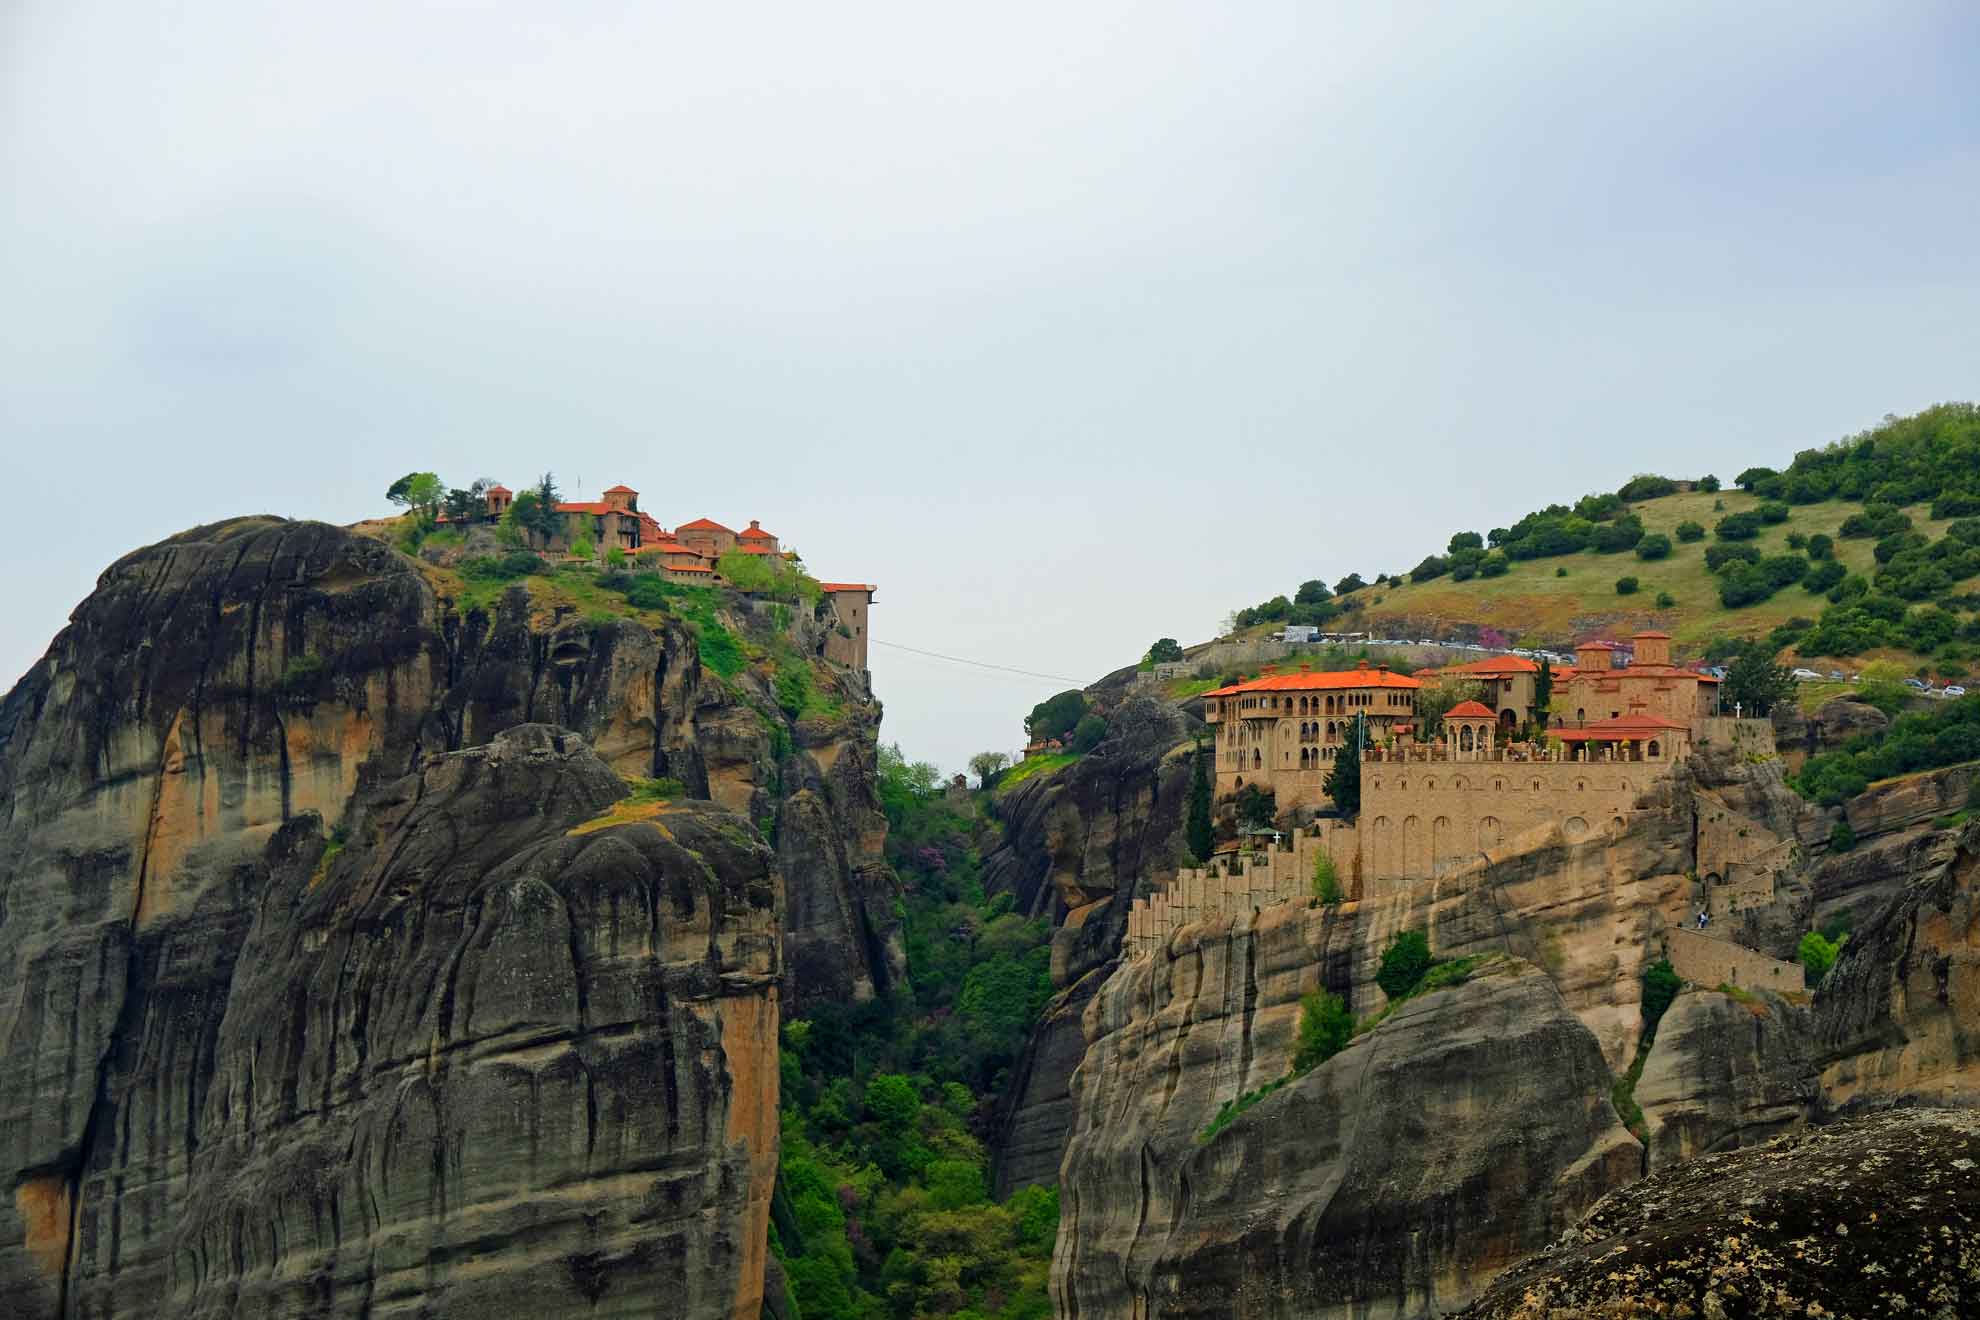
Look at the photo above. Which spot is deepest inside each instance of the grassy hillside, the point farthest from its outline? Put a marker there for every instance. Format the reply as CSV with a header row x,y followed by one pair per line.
x,y
1894,573
1532,601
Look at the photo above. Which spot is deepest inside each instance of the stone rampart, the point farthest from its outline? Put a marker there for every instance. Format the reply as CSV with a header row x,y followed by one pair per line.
x,y
1422,819
1707,960
1239,884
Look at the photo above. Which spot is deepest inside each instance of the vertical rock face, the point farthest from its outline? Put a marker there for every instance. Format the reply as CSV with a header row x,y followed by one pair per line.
x,y
335,979
1080,845
1384,1182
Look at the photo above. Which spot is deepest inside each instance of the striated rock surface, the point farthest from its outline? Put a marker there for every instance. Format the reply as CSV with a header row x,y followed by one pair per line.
x,y
1378,1184
1079,845
1899,1014
1834,723
1876,1216
311,1002
1726,1072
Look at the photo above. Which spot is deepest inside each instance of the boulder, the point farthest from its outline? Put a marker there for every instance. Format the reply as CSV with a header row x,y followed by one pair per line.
x,y
1875,1216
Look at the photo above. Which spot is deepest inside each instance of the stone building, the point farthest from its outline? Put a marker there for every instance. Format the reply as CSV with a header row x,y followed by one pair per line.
x,y
845,644
1284,731
1596,689
1507,683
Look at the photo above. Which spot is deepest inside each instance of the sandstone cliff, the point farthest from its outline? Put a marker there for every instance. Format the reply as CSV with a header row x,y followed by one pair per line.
x,y
313,1002
1079,845
1384,1182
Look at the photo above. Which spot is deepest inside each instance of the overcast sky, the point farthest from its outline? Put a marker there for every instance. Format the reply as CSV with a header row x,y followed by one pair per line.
x,y
1069,325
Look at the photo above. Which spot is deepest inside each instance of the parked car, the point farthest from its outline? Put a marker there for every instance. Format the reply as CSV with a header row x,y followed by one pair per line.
x,y
1806,676
1955,691
1918,683
1836,674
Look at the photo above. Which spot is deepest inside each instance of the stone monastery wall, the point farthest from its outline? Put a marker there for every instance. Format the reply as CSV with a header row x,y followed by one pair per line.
x,y
1709,961
1421,819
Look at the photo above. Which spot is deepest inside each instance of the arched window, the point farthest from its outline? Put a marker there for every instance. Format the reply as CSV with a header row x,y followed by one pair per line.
x,y
1655,750
1464,738
1257,760
1580,715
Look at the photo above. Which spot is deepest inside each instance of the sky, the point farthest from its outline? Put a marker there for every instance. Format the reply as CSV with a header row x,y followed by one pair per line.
x,y
1070,326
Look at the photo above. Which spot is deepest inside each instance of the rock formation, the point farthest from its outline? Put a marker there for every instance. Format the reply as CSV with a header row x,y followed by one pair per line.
x,y
1382,1182
1079,845
340,974
1876,1216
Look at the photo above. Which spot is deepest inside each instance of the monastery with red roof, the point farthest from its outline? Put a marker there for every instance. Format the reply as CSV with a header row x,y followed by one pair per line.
x,y
1285,731
691,554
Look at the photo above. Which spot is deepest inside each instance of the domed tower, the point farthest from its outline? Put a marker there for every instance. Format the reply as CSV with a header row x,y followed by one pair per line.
x,y
1468,730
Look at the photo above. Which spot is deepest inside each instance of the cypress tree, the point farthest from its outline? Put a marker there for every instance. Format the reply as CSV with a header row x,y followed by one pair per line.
x,y
1201,838
1543,692
1343,783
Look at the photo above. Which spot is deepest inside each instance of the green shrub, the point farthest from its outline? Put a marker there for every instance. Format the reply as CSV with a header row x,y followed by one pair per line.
x,y
1654,546
1665,600
1325,1027
1660,986
793,688
1561,571
303,675
583,548
504,568
1405,959
1327,883
1625,586
1232,1108
720,651
1818,954
1772,511
1688,531
1841,837
1708,483
1086,735
1738,527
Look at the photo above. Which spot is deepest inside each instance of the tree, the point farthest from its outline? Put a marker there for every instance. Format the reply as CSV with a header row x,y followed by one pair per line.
x,y
986,766
1325,1028
1708,483
1543,692
1465,541
417,492
1198,830
1626,586
1343,782
1689,531
1056,716
1311,593
1166,650
892,1101
1654,546
1352,582
1405,959
1086,735
1752,476
1438,696
466,504
1755,682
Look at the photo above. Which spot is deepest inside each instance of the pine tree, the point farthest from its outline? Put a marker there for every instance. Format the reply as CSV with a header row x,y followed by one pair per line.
x,y
1201,838
1543,692
1343,782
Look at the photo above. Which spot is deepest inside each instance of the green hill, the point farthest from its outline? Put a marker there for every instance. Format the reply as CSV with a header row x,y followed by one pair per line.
x,y
1896,508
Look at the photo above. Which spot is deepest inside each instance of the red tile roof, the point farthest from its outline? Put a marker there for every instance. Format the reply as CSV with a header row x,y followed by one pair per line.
x,y
702,525
621,490
755,549
756,532
1622,726
1469,710
1360,677
1596,646
500,490
1666,636
847,586
688,568
1498,664
594,507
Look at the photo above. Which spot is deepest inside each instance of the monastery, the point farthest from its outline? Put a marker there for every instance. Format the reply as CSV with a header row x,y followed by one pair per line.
x,y
690,554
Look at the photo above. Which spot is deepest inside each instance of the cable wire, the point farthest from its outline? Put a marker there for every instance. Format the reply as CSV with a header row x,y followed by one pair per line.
x,y
980,664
